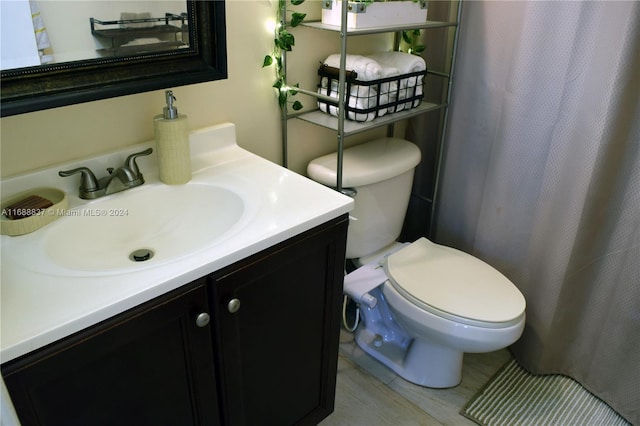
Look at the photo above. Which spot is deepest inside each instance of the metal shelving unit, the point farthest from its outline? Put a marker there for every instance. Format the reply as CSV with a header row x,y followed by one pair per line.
x,y
322,119
119,32
377,30
345,128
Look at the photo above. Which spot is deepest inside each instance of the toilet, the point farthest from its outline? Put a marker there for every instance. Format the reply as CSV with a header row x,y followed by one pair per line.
x,y
422,305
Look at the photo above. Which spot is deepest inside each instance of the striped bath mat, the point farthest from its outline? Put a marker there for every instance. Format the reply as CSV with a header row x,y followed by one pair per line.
x,y
515,397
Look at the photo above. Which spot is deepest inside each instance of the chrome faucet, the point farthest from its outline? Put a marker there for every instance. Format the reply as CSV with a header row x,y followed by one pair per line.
x,y
120,179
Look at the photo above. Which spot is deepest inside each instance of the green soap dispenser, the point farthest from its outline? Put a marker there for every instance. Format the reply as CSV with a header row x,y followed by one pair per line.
x,y
172,144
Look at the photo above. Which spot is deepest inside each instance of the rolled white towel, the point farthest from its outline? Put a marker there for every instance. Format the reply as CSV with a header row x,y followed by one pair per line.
x,y
405,63
389,90
367,69
408,88
418,92
361,98
387,72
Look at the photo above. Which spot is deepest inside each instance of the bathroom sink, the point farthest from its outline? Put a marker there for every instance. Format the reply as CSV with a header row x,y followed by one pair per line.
x,y
140,228
78,270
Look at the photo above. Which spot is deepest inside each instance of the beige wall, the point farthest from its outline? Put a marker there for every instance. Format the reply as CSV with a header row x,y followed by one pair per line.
x,y
39,139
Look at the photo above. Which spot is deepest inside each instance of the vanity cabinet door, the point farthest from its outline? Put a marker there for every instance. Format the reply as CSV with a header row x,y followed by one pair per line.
x,y
278,323
152,365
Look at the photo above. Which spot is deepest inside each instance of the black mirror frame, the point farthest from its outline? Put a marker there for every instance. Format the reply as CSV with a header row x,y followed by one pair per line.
x,y
49,86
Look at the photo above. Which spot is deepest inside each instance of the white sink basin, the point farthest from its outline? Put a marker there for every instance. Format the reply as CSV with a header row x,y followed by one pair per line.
x,y
132,230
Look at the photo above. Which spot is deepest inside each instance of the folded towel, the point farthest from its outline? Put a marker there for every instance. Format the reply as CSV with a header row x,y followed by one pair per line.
x,y
405,63
360,97
366,68
370,68
408,88
384,88
412,91
389,90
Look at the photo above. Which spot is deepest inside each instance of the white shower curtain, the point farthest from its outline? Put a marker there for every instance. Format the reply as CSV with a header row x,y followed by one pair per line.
x,y
541,178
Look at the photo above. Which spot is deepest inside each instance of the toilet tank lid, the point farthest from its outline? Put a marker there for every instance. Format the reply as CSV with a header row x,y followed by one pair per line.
x,y
368,163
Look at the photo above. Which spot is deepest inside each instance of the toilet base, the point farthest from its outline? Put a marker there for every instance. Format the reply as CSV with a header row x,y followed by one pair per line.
x,y
419,361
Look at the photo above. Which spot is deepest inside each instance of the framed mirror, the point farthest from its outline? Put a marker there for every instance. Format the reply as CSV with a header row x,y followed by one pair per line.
x,y
202,57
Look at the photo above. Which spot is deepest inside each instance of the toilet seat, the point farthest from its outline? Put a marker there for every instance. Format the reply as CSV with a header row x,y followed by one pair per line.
x,y
455,285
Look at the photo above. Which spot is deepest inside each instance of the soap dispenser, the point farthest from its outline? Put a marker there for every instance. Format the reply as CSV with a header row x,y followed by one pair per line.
x,y
172,144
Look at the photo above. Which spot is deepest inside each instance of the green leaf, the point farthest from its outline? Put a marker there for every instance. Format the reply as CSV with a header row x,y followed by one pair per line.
x,y
297,2
282,98
405,37
285,40
280,45
277,84
268,60
419,48
297,18
297,106
416,33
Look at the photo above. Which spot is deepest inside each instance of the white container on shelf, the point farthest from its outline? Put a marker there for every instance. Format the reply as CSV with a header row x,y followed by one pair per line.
x,y
376,14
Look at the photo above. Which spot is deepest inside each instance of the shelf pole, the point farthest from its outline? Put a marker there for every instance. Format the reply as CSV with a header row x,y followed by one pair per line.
x,y
285,147
342,77
445,118
397,38
283,108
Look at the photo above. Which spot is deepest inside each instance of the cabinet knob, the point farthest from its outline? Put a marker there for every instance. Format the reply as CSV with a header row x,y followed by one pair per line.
x,y
202,319
233,305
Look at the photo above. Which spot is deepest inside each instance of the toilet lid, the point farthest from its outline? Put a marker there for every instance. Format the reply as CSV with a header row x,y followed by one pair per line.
x,y
440,278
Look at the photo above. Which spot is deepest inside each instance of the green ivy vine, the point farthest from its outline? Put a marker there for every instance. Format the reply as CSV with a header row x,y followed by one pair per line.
x,y
412,40
284,42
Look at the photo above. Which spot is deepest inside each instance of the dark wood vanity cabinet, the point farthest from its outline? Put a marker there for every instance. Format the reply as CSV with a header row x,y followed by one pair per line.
x,y
277,330
149,366
253,344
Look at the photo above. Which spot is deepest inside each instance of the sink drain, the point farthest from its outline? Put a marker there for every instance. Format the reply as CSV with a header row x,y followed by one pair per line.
x,y
141,255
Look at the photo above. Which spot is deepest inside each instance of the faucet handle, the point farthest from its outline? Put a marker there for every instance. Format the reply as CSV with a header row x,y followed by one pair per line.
x,y
88,181
131,164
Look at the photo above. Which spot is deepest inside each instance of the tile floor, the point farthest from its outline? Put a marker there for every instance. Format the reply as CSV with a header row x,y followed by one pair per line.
x,y
369,394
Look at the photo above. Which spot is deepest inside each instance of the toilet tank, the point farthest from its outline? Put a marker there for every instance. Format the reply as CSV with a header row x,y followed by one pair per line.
x,y
381,172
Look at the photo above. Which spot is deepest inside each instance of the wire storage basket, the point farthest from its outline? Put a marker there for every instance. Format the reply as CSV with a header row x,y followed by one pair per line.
x,y
368,100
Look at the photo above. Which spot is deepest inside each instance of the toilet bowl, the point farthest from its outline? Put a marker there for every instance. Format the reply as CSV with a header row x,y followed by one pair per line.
x,y
423,305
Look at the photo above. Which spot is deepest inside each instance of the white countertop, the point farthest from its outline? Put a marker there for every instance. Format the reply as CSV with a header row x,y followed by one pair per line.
x,y
39,307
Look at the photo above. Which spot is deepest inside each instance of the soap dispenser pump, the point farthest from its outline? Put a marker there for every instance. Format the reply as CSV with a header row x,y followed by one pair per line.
x,y
172,144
